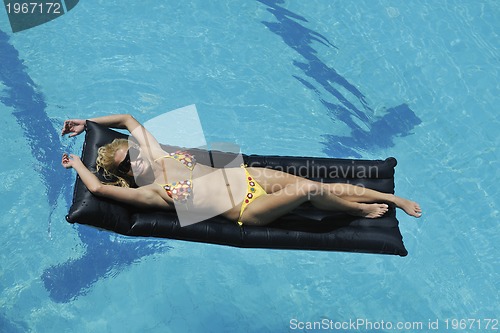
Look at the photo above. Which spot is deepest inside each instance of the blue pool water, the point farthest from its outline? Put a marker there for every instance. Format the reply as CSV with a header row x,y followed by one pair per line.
x,y
363,79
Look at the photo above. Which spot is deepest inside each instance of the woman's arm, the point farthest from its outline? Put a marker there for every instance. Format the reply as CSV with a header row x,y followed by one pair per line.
x,y
140,197
123,121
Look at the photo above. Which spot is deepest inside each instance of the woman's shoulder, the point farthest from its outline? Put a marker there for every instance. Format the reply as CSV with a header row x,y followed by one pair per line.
x,y
154,153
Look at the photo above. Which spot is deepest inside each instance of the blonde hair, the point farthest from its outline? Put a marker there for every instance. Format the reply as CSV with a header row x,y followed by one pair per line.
x,y
106,162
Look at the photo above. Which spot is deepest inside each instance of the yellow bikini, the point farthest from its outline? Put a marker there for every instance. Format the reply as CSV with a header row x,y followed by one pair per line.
x,y
254,190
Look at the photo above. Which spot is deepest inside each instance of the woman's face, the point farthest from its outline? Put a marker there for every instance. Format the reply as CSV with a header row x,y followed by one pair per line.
x,y
129,161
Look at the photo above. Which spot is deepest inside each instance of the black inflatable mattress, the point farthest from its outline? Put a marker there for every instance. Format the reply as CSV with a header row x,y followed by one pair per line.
x,y
305,228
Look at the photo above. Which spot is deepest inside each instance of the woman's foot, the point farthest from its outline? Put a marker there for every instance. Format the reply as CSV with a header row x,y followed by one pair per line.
x,y
372,211
410,207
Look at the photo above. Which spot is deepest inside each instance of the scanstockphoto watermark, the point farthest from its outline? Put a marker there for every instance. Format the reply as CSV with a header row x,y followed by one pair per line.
x,y
311,170
326,324
430,325
317,189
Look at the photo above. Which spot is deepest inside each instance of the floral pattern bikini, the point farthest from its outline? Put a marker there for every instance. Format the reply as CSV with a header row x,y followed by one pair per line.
x,y
180,191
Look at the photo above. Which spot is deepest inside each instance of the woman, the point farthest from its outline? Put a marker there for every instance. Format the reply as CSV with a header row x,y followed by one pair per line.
x,y
253,196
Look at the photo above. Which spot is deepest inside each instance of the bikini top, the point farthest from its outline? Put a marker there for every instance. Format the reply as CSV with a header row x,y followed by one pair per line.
x,y
180,191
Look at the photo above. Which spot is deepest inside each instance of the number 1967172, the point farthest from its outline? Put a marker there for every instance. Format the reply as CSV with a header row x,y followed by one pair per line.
x,y
34,8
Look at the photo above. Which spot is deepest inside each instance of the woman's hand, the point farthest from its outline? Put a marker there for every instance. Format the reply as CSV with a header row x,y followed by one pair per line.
x,y
68,161
73,126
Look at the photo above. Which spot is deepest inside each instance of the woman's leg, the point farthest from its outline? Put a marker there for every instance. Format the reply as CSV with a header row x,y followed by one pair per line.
x,y
358,193
273,181
362,194
269,207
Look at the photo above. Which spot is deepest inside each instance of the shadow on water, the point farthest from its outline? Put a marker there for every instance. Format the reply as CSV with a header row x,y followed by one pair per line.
x,y
8,325
29,110
103,256
367,131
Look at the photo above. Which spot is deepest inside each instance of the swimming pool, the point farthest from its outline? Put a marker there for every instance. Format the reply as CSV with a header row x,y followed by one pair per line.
x,y
418,81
